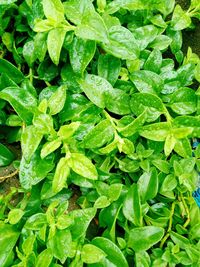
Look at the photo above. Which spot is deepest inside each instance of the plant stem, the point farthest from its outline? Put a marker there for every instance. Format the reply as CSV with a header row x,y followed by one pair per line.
x,y
169,226
2,178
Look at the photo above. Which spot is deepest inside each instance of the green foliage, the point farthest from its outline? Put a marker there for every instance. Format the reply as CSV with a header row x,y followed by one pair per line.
x,y
105,121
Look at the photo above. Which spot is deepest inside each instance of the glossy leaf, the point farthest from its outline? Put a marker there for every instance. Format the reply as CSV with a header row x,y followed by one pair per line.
x,y
145,237
83,166
91,254
132,206
8,68
61,175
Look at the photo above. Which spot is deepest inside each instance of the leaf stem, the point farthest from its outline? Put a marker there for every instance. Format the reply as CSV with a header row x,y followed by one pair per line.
x,y
186,210
2,178
169,226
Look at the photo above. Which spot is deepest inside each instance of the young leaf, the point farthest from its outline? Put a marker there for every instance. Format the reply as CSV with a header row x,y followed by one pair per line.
x,y
92,254
57,100
53,10
83,166
61,175
55,41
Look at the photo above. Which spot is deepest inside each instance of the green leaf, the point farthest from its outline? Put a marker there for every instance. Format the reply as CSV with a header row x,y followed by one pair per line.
x,y
55,41
66,131
148,185
156,132
29,53
117,102
143,238
95,87
101,202
114,256
12,72
53,9
50,147
121,43
44,259
154,61
132,206
60,244
91,254
83,166
92,27
101,134
74,9
109,68
82,219
15,216
30,141
35,170
9,236
182,241
81,53
36,221
145,35
147,81
6,156
57,100
180,19
161,42
61,175
134,126
40,44
168,184
147,106
22,101
184,101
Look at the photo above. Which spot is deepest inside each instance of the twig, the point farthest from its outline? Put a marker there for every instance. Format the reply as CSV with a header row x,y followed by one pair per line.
x,y
169,226
9,175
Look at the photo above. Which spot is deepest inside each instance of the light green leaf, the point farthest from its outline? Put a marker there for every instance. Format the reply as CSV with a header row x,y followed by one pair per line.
x,y
61,175
55,41
91,254
57,100
83,166
53,10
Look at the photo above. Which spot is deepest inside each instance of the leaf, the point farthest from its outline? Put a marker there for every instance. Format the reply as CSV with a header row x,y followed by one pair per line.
x,y
9,236
145,35
101,134
114,256
12,72
55,41
61,175
91,254
50,147
30,141
35,170
83,166
147,81
81,53
92,27
40,44
148,185
121,43
29,53
36,221
132,209
156,132
117,102
109,68
6,156
57,100
15,216
44,259
74,9
22,101
60,244
184,101
94,87
180,19
161,42
53,9
154,61
82,219
170,143
143,238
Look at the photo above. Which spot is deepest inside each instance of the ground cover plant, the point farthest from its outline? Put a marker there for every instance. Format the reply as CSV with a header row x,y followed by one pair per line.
x,y
105,107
